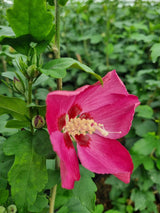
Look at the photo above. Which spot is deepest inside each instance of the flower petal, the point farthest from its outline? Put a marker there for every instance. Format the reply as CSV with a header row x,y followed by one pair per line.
x,y
96,95
58,104
106,156
69,165
117,117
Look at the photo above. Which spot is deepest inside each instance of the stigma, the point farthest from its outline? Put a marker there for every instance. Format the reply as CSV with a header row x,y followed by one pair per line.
x,y
77,126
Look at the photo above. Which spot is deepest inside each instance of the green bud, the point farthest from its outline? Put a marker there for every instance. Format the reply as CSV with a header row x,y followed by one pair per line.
x,y
32,71
38,121
23,66
12,209
18,85
2,209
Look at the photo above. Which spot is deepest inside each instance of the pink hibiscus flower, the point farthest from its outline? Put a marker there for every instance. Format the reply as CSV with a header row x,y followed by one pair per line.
x,y
92,117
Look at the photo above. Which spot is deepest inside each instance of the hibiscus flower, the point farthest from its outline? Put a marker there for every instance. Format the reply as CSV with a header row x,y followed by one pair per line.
x,y
84,124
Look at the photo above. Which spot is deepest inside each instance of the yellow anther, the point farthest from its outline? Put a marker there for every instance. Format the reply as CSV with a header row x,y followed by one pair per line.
x,y
83,126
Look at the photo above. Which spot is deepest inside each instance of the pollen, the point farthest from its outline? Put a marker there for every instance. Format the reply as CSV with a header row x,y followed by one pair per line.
x,y
77,126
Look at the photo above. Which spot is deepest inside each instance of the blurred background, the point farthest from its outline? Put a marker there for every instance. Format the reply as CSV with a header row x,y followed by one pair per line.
x,y
106,35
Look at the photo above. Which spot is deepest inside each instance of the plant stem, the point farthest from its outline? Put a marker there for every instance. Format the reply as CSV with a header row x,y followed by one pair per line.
x,y
29,101
59,87
57,39
52,199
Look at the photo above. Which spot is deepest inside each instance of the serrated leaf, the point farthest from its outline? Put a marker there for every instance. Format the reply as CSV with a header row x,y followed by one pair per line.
x,y
155,52
145,145
85,189
13,106
155,176
60,65
144,111
144,127
41,143
40,203
139,199
28,175
26,14
22,43
75,206
62,197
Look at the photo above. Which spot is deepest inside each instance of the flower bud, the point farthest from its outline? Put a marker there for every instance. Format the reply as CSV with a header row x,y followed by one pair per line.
x,y
12,209
32,71
2,209
38,121
18,85
23,66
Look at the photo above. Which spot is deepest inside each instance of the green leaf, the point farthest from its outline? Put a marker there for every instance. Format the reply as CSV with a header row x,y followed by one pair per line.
x,y
99,209
55,73
62,2
62,197
17,124
6,31
112,211
144,127
148,163
155,52
60,65
5,163
3,182
13,106
26,14
3,196
139,199
85,188
38,109
155,176
75,206
41,143
53,178
22,43
3,130
145,145
95,39
28,175
109,49
144,111
40,203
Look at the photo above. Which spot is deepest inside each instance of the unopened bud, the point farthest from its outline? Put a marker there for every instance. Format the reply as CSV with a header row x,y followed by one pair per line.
x,y
32,71
23,65
38,121
18,85
2,209
12,209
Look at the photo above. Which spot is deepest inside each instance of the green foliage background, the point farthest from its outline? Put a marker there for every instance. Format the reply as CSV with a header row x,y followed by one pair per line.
x,y
103,35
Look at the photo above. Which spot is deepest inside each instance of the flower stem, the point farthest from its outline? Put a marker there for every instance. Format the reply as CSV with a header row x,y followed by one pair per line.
x,y
30,101
52,199
59,87
57,39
